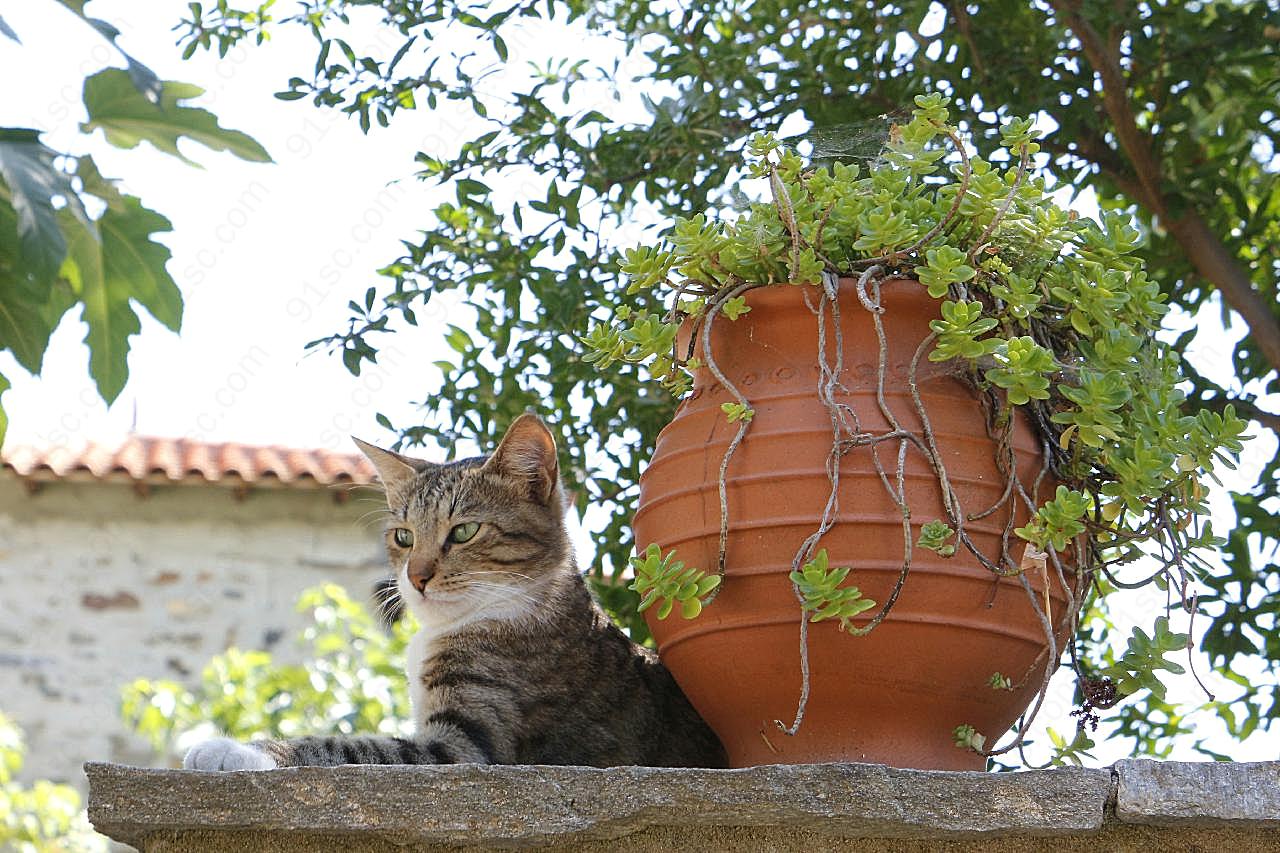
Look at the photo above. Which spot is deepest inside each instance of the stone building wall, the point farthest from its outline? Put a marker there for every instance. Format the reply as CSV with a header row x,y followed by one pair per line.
x,y
104,582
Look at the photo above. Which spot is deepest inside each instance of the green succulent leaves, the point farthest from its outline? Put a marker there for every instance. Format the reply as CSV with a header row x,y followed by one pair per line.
x,y
962,324
1058,521
666,581
945,266
646,267
935,536
967,737
735,307
737,412
824,598
1022,370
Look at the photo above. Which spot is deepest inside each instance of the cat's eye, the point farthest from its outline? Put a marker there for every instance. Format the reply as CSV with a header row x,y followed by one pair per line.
x,y
403,537
464,532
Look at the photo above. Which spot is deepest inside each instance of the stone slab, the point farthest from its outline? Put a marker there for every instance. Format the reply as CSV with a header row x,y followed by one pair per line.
x,y
522,806
1207,794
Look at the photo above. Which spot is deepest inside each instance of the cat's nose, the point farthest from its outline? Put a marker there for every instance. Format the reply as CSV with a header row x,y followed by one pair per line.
x,y
420,572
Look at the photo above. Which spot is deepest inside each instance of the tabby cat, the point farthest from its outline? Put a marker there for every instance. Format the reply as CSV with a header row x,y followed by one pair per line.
x,y
515,663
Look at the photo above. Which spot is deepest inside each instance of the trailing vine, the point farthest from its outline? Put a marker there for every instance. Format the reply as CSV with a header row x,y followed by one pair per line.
x,y
1040,311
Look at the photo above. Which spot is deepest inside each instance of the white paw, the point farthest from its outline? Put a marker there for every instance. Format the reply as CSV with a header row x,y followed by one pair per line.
x,y
221,753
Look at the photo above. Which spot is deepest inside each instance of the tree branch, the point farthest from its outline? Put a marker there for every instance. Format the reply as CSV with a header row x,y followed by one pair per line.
x,y
965,25
1115,99
1217,264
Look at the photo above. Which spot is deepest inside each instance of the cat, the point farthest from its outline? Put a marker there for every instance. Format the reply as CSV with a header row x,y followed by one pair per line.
x,y
515,663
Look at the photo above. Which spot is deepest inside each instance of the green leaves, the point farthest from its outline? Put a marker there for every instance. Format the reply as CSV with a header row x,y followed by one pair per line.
x,y
1074,752
665,581
824,598
53,254
646,267
1021,365
958,331
932,107
45,816
1057,522
999,682
885,229
458,339
1019,293
639,338
934,535
106,311
109,263
1019,133
105,263
737,412
735,307
30,306
649,335
1136,668
945,266
967,737
1099,417
351,682
128,117
134,264
1224,433
697,240
34,189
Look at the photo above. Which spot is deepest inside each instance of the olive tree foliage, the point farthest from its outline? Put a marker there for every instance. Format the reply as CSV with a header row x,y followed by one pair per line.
x,y
69,236
1165,109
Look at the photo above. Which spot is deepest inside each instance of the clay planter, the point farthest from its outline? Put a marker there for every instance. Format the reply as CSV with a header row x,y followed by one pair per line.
x,y
895,695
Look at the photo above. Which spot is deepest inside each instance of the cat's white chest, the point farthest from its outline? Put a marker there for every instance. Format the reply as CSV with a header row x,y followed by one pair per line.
x,y
419,650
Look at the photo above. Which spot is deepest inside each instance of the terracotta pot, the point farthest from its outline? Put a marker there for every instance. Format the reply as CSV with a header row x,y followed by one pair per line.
x,y
892,696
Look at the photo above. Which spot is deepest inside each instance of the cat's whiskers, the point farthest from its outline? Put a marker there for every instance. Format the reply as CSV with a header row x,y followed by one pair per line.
x,y
505,593
375,488
492,572
376,514
389,611
383,596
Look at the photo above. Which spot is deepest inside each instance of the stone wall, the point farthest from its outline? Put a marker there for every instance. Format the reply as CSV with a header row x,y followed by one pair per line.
x,y
100,584
1134,806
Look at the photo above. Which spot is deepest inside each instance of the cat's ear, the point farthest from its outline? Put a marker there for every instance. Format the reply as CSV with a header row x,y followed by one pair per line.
x,y
528,452
393,469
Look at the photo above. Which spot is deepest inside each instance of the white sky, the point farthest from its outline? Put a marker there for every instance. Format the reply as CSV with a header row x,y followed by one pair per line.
x,y
268,255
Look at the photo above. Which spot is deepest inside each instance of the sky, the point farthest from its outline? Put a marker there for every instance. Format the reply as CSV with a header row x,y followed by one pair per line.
x,y
267,257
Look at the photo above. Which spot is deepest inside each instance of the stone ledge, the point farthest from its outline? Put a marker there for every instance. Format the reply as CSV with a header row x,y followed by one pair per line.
x,y
365,808
1175,793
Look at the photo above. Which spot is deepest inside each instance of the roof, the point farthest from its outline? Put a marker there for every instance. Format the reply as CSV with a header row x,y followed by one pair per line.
x,y
145,461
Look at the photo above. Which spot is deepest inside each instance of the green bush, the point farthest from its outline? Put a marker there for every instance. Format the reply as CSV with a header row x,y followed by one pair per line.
x,y
352,683
44,818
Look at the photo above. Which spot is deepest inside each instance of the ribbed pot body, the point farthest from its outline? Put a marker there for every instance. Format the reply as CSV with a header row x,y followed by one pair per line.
x,y
895,695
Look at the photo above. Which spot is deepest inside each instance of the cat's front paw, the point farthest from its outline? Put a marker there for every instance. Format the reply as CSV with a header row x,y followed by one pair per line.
x,y
223,753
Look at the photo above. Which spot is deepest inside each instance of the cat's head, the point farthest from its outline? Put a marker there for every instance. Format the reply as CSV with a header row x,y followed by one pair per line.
x,y
476,538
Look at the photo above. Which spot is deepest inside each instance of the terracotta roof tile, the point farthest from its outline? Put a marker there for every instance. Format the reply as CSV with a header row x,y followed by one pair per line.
x,y
152,460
